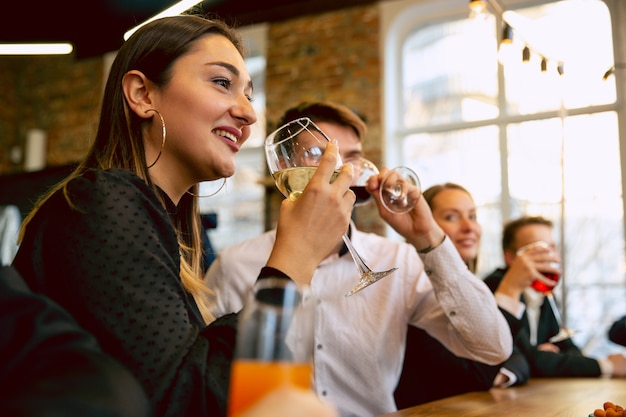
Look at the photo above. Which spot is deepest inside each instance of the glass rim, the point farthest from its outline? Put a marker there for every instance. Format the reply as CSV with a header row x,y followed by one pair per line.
x,y
304,123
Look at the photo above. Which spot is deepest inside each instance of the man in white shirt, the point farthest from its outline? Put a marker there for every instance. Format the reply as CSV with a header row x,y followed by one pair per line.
x,y
360,340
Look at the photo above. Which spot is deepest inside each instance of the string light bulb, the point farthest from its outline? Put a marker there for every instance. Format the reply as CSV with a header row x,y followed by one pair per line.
x,y
560,68
507,34
478,9
526,54
608,73
506,48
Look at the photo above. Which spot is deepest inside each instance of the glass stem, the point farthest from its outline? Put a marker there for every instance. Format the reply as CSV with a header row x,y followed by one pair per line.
x,y
555,310
363,268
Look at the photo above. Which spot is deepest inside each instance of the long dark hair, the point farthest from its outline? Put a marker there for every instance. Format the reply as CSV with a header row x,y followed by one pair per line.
x,y
152,49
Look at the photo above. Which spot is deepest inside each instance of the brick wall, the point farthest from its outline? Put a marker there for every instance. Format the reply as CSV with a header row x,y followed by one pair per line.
x,y
55,93
333,55
330,56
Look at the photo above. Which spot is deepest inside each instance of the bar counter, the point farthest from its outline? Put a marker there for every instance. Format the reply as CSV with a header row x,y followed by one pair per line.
x,y
540,397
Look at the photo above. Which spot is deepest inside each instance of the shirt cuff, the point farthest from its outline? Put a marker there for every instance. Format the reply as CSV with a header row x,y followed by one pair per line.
x,y
606,367
512,378
511,305
269,272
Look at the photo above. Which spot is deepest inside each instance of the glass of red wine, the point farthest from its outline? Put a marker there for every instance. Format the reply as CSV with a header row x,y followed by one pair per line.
x,y
399,190
546,284
364,170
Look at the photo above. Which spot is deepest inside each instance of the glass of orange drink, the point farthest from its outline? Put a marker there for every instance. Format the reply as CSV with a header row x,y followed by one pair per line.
x,y
274,343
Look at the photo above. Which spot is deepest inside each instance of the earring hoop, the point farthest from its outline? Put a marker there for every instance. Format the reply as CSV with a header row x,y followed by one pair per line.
x,y
212,194
163,135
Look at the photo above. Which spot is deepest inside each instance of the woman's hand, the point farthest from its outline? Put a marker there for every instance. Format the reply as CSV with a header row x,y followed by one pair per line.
x,y
417,226
310,227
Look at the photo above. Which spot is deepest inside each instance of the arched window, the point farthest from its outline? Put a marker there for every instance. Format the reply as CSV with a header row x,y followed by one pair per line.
x,y
525,137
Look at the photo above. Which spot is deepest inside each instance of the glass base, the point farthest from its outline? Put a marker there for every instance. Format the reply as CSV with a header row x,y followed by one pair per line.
x,y
368,279
563,334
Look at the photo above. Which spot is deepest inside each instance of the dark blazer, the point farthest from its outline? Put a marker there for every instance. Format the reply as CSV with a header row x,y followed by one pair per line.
x,y
617,332
52,367
569,362
430,371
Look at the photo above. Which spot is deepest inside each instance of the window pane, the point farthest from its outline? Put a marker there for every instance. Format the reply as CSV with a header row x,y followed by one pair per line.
x,y
449,73
578,33
471,158
566,169
576,182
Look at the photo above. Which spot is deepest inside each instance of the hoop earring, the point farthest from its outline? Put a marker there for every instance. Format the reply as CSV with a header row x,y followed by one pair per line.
x,y
163,135
212,194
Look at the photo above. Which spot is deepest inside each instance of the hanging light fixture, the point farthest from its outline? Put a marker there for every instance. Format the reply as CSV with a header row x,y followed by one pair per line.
x,y
506,48
507,34
560,68
478,9
526,54
608,73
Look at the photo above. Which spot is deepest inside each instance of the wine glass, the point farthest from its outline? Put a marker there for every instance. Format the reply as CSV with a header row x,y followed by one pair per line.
x,y
545,284
399,190
293,152
364,169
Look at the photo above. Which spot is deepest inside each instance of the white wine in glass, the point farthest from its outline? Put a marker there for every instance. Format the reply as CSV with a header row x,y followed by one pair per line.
x,y
292,181
293,152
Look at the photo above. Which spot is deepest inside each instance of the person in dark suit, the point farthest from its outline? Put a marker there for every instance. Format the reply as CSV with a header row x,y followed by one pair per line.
x,y
617,332
455,211
546,359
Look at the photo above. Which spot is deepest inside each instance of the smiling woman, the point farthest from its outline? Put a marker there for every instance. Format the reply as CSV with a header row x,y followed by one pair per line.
x,y
176,108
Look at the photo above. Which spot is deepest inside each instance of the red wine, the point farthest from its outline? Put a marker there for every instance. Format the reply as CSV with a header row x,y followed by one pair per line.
x,y
362,196
542,287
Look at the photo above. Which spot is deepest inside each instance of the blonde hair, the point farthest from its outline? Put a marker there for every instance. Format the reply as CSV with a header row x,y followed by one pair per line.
x,y
433,191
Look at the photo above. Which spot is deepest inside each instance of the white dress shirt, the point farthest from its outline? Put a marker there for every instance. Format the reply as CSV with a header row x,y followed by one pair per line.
x,y
534,300
360,340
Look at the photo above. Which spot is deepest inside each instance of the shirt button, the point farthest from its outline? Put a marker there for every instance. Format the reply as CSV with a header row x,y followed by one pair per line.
x,y
428,272
452,313
323,393
319,347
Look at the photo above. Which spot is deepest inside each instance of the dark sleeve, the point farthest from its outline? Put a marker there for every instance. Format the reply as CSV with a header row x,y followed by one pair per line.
x,y
493,280
515,324
112,260
617,332
430,371
518,365
569,362
517,362
52,367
